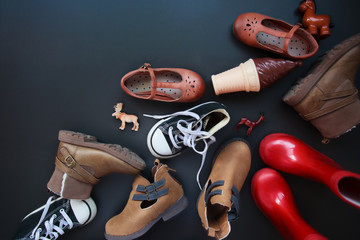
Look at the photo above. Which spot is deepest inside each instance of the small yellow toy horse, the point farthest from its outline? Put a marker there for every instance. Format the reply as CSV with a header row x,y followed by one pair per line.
x,y
125,118
314,23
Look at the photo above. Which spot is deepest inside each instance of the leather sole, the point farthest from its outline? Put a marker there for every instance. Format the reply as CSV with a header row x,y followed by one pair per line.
x,y
115,150
303,87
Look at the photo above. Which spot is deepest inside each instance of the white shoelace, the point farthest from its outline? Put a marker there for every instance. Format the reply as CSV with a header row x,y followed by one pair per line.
x,y
188,135
52,231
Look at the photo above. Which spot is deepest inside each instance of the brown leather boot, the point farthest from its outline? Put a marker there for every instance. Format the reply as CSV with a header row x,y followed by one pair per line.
x,y
327,97
218,203
81,161
147,204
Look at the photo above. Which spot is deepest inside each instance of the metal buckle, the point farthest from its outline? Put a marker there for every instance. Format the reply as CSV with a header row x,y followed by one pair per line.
x,y
150,188
70,161
156,193
146,65
148,198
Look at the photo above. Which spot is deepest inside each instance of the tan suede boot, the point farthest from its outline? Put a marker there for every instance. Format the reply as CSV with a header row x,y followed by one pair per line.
x,y
327,97
147,204
218,203
81,161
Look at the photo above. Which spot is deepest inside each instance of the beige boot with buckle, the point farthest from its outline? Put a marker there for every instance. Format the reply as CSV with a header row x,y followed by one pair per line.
x,y
147,204
218,203
81,161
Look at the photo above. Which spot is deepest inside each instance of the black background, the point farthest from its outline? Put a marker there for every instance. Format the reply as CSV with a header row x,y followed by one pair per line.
x,y
60,68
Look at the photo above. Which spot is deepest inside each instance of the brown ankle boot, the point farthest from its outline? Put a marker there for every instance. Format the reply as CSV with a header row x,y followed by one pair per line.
x,y
218,203
327,97
147,204
81,161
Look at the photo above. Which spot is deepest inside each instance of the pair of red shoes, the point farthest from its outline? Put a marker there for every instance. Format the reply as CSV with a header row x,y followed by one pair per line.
x,y
273,195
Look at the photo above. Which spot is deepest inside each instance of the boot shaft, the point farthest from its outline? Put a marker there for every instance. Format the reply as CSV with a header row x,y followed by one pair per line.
x,y
338,78
289,154
274,198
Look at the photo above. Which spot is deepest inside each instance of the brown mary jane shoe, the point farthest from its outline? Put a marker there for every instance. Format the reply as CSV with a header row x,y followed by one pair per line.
x,y
275,36
163,84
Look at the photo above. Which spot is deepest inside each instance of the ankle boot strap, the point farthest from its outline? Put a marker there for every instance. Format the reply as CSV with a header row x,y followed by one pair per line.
x,y
151,192
234,212
67,163
349,96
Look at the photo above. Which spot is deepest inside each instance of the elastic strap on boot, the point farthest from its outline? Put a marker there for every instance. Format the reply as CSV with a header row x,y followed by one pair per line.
x,y
351,96
69,165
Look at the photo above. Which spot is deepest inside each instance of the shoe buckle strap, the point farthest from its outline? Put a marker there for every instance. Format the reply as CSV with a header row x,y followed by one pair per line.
x,y
152,187
151,192
150,196
70,161
234,213
289,35
147,67
67,163
210,192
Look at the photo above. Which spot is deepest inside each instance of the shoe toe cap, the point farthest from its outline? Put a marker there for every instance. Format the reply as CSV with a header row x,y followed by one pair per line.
x,y
84,210
159,146
194,86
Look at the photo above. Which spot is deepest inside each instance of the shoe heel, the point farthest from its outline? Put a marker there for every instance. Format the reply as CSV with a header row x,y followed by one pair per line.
x,y
175,209
68,187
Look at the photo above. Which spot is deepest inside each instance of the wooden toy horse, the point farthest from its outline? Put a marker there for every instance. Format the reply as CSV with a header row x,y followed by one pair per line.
x,y
125,118
313,22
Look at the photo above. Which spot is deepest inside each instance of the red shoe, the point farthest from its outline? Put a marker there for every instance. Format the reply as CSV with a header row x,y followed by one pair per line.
x,y
289,154
273,196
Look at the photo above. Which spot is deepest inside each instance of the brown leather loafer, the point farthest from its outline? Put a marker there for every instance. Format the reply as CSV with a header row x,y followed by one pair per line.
x,y
218,203
327,96
147,204
163,84
81,160
276,36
